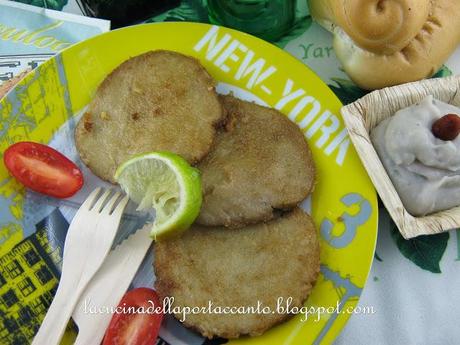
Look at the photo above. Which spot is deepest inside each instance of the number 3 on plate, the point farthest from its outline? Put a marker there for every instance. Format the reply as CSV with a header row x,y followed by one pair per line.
x,y
352,222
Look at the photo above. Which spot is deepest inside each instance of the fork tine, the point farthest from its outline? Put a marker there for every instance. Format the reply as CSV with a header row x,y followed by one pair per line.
x,y
110,204
118,211
100,202
90,199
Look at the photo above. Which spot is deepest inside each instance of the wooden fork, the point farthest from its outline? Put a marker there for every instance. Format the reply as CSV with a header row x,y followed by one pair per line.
x,y
88,242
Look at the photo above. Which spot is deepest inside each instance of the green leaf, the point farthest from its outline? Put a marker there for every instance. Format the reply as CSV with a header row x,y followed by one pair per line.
x,y
443,72
300,26
188,11
346,91
424,251
51,4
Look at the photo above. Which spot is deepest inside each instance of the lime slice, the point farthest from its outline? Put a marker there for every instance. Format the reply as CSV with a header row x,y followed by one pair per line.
x,y
167,183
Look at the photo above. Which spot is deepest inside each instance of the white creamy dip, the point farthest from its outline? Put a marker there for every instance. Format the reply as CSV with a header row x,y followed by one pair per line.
x,y
425,170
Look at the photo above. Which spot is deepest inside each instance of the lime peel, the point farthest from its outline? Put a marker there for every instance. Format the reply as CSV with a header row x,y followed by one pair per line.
x,y
166,182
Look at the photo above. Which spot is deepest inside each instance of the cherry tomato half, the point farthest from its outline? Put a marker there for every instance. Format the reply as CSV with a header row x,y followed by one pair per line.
x,y
43,169
135,328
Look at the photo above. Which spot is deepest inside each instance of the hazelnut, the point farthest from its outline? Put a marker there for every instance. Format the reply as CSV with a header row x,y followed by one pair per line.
x,y
447,127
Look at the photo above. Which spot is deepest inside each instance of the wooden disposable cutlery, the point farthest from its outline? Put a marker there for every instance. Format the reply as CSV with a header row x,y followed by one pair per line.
x,y
93,311
89,239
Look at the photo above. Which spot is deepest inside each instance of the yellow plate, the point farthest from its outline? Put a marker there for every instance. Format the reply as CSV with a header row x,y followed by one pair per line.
x,y
344,204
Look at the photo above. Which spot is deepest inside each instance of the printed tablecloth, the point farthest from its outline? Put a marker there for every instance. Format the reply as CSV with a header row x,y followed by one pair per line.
x,y
412,284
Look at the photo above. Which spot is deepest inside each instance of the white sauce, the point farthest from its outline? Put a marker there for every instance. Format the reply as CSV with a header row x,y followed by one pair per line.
x,y
425,170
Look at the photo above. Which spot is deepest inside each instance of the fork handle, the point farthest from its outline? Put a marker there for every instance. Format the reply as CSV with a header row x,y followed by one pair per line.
x,y
55,322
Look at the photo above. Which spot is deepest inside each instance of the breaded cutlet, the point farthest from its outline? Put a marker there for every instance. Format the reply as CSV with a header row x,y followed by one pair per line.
x,y
258,263
157,101
260,163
